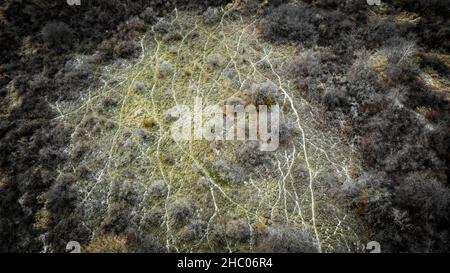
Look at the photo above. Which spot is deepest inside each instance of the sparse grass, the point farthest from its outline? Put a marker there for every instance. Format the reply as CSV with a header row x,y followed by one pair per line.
x,y
134,152
379,61
108,244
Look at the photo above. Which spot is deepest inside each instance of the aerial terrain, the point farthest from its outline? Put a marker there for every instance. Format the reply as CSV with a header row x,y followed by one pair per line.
x,y
91,92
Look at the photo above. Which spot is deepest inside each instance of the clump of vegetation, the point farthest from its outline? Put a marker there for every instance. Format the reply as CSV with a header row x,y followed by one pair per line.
x,y
149,15
194,230
238,230
214,60
264,93
117,219
108,244
291,22
182,211
158,189
228,172
211,15
139,86
56,33
286,240
62,196
166,69
162,27
149,123
250,156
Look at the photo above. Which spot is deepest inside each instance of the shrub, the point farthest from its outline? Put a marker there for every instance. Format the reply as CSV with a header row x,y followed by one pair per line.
x,y
402,64
171,115
377,32
153,217
158,189
291,22
306,64
228,171
193,230
425,197
264,93
327,3
62,197
238,230
356,8
108,243
181,211
211,15
335,98
173,36
286,240
143,242
410,216
216,235
124,49
149,15
411,158
139,86
162,27
202,4
440,6
331,26
56,33
66,230
288,132
166,69
117,219
109,104
128,193
363,81
214,60
250,156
